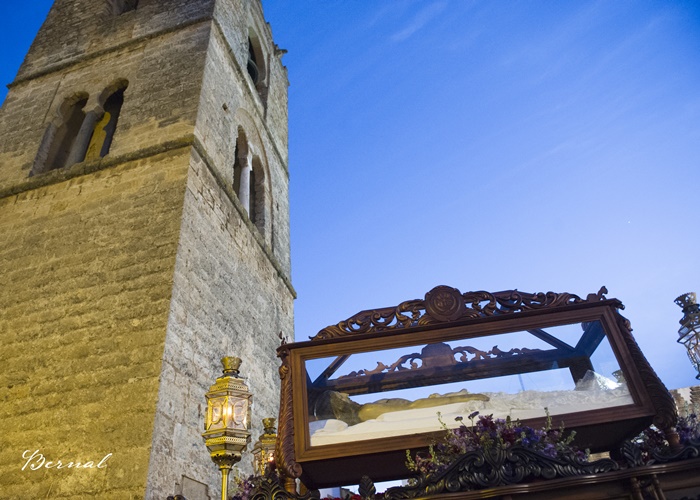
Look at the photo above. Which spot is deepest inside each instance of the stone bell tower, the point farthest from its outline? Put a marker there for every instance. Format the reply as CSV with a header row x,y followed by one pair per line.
x,y
144,234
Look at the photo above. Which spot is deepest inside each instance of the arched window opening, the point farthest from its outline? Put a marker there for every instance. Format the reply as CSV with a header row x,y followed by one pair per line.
x,y
257,195
241,167
249,181
237,168
257,65
103,134
252,65
65,136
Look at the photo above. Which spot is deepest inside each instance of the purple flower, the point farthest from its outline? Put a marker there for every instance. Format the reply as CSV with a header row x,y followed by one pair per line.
x,y
488,432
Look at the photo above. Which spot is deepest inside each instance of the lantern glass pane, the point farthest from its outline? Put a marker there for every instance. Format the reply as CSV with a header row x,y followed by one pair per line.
x,y
239,413
216,413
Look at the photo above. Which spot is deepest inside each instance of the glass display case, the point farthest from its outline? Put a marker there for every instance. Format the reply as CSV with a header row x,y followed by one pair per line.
x,y
360,393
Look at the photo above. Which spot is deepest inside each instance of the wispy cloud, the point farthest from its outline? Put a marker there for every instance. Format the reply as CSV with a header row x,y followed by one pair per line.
x,y
422,18
384,12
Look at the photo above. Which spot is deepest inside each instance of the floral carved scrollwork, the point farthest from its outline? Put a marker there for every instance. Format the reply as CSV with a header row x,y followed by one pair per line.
x,y
428,357
443,303
492,467
404,315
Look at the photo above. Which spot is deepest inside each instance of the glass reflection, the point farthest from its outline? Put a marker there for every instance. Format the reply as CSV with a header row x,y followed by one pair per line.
x,y
567,369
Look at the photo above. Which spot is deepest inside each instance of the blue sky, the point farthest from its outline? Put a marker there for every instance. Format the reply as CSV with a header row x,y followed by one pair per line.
x,y
486,145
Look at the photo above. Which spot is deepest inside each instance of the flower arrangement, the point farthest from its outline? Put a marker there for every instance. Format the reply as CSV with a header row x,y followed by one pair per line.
x,y
244,487
688,428
652,441
487,433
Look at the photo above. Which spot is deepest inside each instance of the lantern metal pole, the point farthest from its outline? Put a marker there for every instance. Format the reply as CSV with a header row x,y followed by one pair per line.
x,y
224,481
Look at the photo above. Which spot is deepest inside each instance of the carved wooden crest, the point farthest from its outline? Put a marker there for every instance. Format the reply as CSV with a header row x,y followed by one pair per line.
x,y
444,303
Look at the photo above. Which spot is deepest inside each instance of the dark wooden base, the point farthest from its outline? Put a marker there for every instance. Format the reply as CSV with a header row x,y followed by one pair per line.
x,y
676,481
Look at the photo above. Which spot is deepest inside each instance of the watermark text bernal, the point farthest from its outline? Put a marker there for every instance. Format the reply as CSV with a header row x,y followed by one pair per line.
x,y
36,460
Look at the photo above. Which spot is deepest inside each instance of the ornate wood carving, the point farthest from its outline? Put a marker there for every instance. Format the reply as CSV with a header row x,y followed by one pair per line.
x,y
494,467
430,357
366,488
444,303
632,454
666,414
270,487
284,450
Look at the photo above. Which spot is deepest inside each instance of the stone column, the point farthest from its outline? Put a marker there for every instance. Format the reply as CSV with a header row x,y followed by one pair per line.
x,y
244,189
82,140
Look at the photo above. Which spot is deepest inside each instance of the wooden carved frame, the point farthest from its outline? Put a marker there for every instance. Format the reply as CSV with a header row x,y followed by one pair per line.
x,y
445,311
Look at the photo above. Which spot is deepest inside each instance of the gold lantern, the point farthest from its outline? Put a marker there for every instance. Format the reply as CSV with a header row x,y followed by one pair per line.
x,y
227,422
264,448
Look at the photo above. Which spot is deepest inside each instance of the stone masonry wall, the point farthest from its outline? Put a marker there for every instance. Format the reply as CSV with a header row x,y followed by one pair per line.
x,y
87,268
129,277
87,253
235,19
223,108
227,300
232,292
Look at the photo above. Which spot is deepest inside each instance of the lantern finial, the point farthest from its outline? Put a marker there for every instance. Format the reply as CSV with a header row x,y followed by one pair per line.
x,y
231,365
